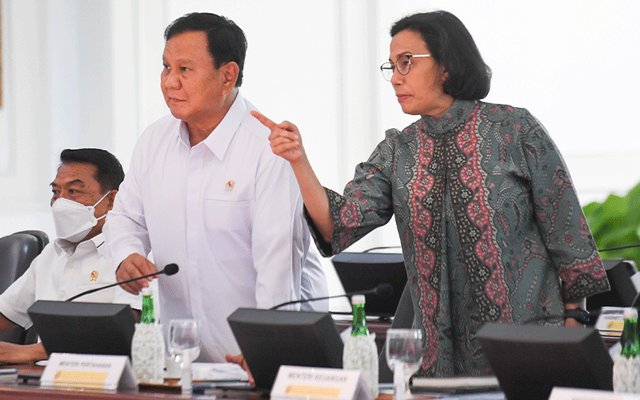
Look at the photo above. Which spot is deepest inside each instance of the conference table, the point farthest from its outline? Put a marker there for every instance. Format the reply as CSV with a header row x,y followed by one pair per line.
x,y
30,388
27,389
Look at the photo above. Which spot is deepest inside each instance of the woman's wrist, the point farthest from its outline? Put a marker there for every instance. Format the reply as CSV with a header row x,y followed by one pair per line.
x,y
578,314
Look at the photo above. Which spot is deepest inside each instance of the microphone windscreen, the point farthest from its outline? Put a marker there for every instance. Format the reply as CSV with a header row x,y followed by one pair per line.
x,y
171,269
384,290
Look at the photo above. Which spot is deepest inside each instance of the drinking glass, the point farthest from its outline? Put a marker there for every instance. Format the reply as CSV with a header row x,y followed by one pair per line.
x,y
184,340
404,356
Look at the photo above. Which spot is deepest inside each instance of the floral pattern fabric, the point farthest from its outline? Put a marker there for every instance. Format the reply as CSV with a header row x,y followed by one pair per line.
x,y
490,226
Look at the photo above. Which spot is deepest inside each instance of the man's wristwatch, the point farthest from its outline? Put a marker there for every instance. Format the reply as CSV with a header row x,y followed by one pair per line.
x,y
578,314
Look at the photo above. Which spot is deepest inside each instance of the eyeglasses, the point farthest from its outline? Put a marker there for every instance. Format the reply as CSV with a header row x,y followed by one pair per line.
x,y
403,64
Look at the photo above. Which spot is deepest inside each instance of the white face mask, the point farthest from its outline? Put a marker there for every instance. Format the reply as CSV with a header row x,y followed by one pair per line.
x,y
74,220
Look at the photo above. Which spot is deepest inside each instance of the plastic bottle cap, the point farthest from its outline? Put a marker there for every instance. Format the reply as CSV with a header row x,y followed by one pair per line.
x,y
146,291
630,312
357,299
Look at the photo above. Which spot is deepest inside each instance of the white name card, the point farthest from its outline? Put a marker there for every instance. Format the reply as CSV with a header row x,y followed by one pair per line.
x,y
560,393
88,371
318,383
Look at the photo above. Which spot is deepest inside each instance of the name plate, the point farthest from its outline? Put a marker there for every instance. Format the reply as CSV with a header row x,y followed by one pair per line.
x,y
89,371
318,383
560,393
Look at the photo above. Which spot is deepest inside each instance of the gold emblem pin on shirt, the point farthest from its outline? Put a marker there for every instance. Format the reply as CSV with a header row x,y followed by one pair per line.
x,y
229,185
94,275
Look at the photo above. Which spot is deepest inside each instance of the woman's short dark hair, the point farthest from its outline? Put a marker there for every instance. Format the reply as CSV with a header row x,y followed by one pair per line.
x,y
109,172
226,40
451,46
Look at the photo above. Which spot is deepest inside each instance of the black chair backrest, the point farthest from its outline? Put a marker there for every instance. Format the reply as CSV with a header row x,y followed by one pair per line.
x,y
17,251
403,319
42,237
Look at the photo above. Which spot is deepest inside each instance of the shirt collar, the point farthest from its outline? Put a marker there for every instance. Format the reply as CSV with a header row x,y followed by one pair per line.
x,y
95,243
218,140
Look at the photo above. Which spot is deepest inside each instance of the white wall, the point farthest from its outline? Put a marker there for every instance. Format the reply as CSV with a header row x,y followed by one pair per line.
x,y
86,73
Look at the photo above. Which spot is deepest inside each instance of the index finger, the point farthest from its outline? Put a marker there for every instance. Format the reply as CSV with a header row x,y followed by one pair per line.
x,y
264,120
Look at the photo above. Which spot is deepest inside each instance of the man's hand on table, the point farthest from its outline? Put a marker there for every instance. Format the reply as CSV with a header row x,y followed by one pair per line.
x,y
239,359
21,354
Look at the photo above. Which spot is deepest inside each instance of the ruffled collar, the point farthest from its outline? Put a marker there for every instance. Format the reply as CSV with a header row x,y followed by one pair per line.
x,y
452,117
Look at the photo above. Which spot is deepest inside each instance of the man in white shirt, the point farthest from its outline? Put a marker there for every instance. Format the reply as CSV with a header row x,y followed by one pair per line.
x,y
83,192
206,192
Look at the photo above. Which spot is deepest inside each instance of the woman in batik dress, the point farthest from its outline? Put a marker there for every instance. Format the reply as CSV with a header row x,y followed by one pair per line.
x,y
489,221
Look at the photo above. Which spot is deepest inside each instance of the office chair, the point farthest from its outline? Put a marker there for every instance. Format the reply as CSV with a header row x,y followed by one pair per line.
x,y
402,319
42,236
16,253
366,270
31,336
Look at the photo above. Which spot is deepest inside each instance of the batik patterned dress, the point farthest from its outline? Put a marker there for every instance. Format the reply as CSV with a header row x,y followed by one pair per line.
x,y
489,222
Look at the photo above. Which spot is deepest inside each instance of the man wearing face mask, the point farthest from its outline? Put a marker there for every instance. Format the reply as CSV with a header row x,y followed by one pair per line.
x,y
83,192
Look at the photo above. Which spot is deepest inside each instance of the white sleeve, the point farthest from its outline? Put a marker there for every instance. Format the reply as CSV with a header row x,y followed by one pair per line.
x,y
126,229
273,238
18,297
313,277
314,282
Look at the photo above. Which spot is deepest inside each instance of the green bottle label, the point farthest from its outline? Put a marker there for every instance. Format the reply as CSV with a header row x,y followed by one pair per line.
x,y
147,316
359,327
630,342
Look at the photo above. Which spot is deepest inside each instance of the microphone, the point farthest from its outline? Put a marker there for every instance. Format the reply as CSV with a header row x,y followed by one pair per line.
x,y
169,270
620,247
383,290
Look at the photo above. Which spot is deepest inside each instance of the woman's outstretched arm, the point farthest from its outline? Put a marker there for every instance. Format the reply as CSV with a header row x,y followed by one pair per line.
x,y
286,142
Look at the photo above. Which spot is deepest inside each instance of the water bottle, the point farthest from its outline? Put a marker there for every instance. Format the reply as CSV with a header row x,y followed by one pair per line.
x,y
147,347
626,365
360,350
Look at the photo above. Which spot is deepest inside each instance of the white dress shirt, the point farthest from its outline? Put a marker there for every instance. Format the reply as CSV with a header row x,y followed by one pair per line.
x,y
60,272
227,211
